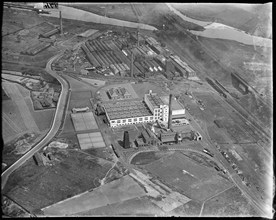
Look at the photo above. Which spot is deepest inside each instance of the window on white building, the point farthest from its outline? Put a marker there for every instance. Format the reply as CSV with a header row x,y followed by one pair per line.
x,y
129,120
140,119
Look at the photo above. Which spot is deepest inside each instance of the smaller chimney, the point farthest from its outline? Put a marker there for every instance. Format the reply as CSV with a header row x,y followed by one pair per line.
x,y
60,20
131,65
126,140
170,113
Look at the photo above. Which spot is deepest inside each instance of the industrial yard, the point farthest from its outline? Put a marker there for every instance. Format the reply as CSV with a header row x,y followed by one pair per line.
x,y
123,110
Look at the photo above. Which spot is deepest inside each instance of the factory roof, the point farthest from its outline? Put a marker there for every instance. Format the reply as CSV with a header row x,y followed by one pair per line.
x,y
140,141
126,109
155,100
134,35
170,136
175,104
146,135
151,40
120,91
50,33
182,129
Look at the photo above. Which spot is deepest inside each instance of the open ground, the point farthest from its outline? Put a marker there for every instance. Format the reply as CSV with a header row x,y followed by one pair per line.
x,y
37,187
193,180
113,192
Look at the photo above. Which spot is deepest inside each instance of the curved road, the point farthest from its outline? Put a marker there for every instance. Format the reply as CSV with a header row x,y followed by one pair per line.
x,y
55,124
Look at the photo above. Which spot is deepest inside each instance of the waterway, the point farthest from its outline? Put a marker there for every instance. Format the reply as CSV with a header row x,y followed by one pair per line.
x,y
81,15
221,31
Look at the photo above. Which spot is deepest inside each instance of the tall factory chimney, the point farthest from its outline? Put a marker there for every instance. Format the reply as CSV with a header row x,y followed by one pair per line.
x,y
60,20
170,113
138,37
131,64
126,140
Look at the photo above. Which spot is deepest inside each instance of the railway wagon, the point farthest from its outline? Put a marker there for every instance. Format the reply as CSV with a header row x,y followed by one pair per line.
x,y
221,86
216,87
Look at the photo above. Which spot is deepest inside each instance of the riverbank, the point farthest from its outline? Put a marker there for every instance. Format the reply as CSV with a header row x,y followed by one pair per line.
x,y
81,15
221,31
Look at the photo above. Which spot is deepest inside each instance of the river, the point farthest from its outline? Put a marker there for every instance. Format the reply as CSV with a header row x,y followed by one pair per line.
x,y
221,31
81,15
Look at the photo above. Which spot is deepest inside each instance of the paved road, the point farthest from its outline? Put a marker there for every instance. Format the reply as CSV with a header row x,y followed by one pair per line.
x,y
55,124
254,199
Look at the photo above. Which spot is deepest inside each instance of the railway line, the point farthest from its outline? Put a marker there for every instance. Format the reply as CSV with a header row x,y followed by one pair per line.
x,y
252,197
241,111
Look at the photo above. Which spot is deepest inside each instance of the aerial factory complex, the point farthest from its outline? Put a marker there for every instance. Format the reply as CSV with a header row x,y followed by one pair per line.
x,y
137,109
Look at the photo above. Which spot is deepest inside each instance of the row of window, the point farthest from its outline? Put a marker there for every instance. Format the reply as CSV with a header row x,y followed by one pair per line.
x,y
134,119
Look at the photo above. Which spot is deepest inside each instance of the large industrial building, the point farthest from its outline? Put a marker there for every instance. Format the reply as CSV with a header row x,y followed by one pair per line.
x,y
127,112
152,108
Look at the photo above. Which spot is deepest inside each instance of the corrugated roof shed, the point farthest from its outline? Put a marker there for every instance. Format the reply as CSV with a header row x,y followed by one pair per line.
x,y
168,137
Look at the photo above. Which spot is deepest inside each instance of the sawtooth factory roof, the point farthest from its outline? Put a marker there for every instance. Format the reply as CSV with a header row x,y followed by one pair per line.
x,y
126,109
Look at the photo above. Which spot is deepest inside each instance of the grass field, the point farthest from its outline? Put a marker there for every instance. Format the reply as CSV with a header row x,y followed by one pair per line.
x,y
143,88
36,187
20,143
135,207
195,181
144,158
28,119
190,209
11,110
229,204
78,99
116,191
94,82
